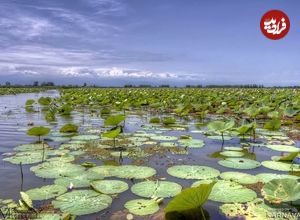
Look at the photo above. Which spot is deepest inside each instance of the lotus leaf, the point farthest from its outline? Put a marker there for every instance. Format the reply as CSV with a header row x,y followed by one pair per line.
x,y
26,157
267,177
142,206
133,171
109,186
283,148
191,143
281,190
152,189
281,166
228,191
46,192
56,169
164,138
193,172
230,153
190,198
31,147
254,210
239,177
239,163
82,180
82,202
85,137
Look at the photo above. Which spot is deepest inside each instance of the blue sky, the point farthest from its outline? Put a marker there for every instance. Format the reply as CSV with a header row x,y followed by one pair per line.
x,y
117,42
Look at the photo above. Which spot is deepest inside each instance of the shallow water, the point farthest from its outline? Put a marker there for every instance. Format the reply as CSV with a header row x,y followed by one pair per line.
x,y
13,126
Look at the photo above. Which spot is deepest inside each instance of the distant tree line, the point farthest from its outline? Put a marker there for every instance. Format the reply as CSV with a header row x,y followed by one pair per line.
x,y
52,84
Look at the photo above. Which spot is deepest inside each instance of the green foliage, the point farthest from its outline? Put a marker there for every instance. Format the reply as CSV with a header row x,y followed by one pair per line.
x,y
154,120
273,125
220,126
168,121
113,133
38,131
105,111
44,101
69,128
114,120
29,102
190,198
65,109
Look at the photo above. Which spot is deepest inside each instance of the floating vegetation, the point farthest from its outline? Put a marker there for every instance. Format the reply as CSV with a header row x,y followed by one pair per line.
x,y
153,189
101,142
193,172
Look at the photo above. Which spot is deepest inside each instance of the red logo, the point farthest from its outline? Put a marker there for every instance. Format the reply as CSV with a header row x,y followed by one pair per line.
x,y
275,24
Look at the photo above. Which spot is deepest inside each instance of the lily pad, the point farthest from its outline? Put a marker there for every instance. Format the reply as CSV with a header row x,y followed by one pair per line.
x,y
267,177
191,143
255,209
142,206
46,192
109,186
164,138
26,157
283,148
82,180
133,171
152,189
281,190
31,147
239,177
239,163
219,138
85,137
233,148
105,171
193,172
281,166
228,191
82,202
56,169
231,153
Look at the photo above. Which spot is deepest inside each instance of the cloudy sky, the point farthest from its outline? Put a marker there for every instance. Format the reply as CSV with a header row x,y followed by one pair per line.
x,y
117,42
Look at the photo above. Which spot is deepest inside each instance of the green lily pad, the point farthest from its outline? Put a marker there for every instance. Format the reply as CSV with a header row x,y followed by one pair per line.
x,y
56,169
82,202
142,206
191,143
109,186
283,148
228,192
281,190
86,137
168,144
239,177
255,209
62,159
31,147
231,153
239,163
46,192
133,171
281,166
233,148
84,179
26,157
193,172
152,189
164,138
219,138
267,177
105,171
